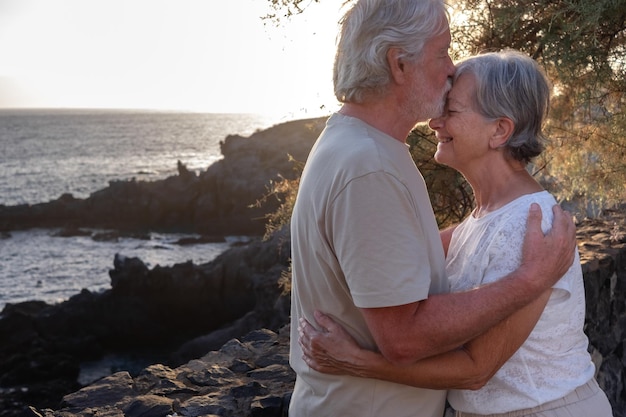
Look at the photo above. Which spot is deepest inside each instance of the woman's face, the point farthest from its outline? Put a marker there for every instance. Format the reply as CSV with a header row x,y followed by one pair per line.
x,y
463,134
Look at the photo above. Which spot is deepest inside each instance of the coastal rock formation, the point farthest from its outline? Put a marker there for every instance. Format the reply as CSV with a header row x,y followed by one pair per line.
x,y
151,313
602,244
248,376
218,201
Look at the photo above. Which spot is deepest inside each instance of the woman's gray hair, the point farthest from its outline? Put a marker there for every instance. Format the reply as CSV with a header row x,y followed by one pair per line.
x,y
511,84
369,29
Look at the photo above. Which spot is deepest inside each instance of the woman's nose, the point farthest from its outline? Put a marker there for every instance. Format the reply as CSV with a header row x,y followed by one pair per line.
x,y
435,123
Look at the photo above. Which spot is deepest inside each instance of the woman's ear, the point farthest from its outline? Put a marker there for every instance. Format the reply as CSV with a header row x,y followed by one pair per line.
x,y
503,131
397,65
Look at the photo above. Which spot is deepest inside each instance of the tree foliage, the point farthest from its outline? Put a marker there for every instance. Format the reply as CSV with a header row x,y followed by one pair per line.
x,y
581,44
451,196
287,8
284,191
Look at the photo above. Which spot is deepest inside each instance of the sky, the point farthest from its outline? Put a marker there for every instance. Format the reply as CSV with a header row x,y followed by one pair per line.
x,y
214,56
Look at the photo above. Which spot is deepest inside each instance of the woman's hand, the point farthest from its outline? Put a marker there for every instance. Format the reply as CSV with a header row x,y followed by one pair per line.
x,y
331,349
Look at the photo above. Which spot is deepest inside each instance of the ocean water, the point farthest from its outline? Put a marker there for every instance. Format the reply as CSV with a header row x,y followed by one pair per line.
x,y
45,153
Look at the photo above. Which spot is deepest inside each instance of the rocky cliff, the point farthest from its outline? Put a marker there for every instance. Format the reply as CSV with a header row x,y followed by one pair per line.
x,y
164,312
218,201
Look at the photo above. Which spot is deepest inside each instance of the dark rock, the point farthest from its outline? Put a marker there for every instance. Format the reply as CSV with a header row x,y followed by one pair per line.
x,y
147,310
270,406
72,232
149,406
219,201
203,387
108,391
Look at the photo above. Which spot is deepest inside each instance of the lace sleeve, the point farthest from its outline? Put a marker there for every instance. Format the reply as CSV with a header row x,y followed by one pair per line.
x,y
505,247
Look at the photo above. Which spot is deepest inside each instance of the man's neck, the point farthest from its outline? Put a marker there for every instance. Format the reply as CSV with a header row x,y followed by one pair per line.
x,y
382,116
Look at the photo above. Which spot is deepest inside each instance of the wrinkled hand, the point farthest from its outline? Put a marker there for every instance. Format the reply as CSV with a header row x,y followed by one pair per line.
x,y
330,350
548,256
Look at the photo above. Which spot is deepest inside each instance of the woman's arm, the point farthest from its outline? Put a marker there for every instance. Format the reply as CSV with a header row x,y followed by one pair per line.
x,y
332,350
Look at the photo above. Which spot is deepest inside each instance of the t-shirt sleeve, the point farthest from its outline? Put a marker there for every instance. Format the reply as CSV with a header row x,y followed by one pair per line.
x,y
505,249
379,243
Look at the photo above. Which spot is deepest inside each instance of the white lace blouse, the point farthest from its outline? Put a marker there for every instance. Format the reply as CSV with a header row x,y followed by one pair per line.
x,y
554,359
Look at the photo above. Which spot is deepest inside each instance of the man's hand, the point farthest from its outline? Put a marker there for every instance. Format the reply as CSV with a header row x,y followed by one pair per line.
x,y
548,257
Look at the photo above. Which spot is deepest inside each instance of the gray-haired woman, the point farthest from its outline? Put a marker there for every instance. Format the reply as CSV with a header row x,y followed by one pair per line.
x,y
536,362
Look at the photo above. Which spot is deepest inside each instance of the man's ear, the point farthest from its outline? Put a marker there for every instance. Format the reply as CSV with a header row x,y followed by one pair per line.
x,y
503,130
397,65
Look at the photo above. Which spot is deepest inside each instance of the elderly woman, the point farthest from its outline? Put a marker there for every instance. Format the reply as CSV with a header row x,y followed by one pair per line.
x,y
535,363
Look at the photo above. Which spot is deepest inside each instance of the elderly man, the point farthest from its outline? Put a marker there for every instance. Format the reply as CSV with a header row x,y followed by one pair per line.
x,y
365,245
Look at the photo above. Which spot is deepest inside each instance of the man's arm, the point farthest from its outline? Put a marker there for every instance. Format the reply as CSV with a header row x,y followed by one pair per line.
x,y
333,351
410,332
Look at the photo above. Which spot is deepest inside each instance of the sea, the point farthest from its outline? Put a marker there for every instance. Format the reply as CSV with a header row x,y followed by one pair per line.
x,y
46,153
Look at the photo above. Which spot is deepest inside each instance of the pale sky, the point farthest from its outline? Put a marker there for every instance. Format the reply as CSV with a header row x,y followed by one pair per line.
x,y
202,55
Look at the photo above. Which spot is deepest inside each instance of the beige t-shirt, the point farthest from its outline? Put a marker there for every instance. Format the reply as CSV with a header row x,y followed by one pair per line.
x,y
363,235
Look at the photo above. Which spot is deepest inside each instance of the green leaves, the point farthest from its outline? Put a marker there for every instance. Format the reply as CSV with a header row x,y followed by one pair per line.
x,y
582,46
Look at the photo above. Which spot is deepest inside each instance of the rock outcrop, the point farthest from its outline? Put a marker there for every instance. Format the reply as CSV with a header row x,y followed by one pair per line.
x,y
218,201
180,309
602,244
249,376
147,311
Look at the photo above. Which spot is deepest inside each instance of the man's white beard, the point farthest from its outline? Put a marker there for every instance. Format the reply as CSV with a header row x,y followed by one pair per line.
x,y
422,110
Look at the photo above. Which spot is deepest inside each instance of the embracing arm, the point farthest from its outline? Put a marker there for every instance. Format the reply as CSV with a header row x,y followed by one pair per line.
x,y
469,367
441,323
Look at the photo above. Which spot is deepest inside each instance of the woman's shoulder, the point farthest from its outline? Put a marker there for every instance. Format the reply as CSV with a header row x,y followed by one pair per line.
x,y
511,219
520,208
521,205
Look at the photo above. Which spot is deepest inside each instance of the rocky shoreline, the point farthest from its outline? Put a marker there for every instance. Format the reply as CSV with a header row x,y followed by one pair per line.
x,y
184,310
215,202
220,329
